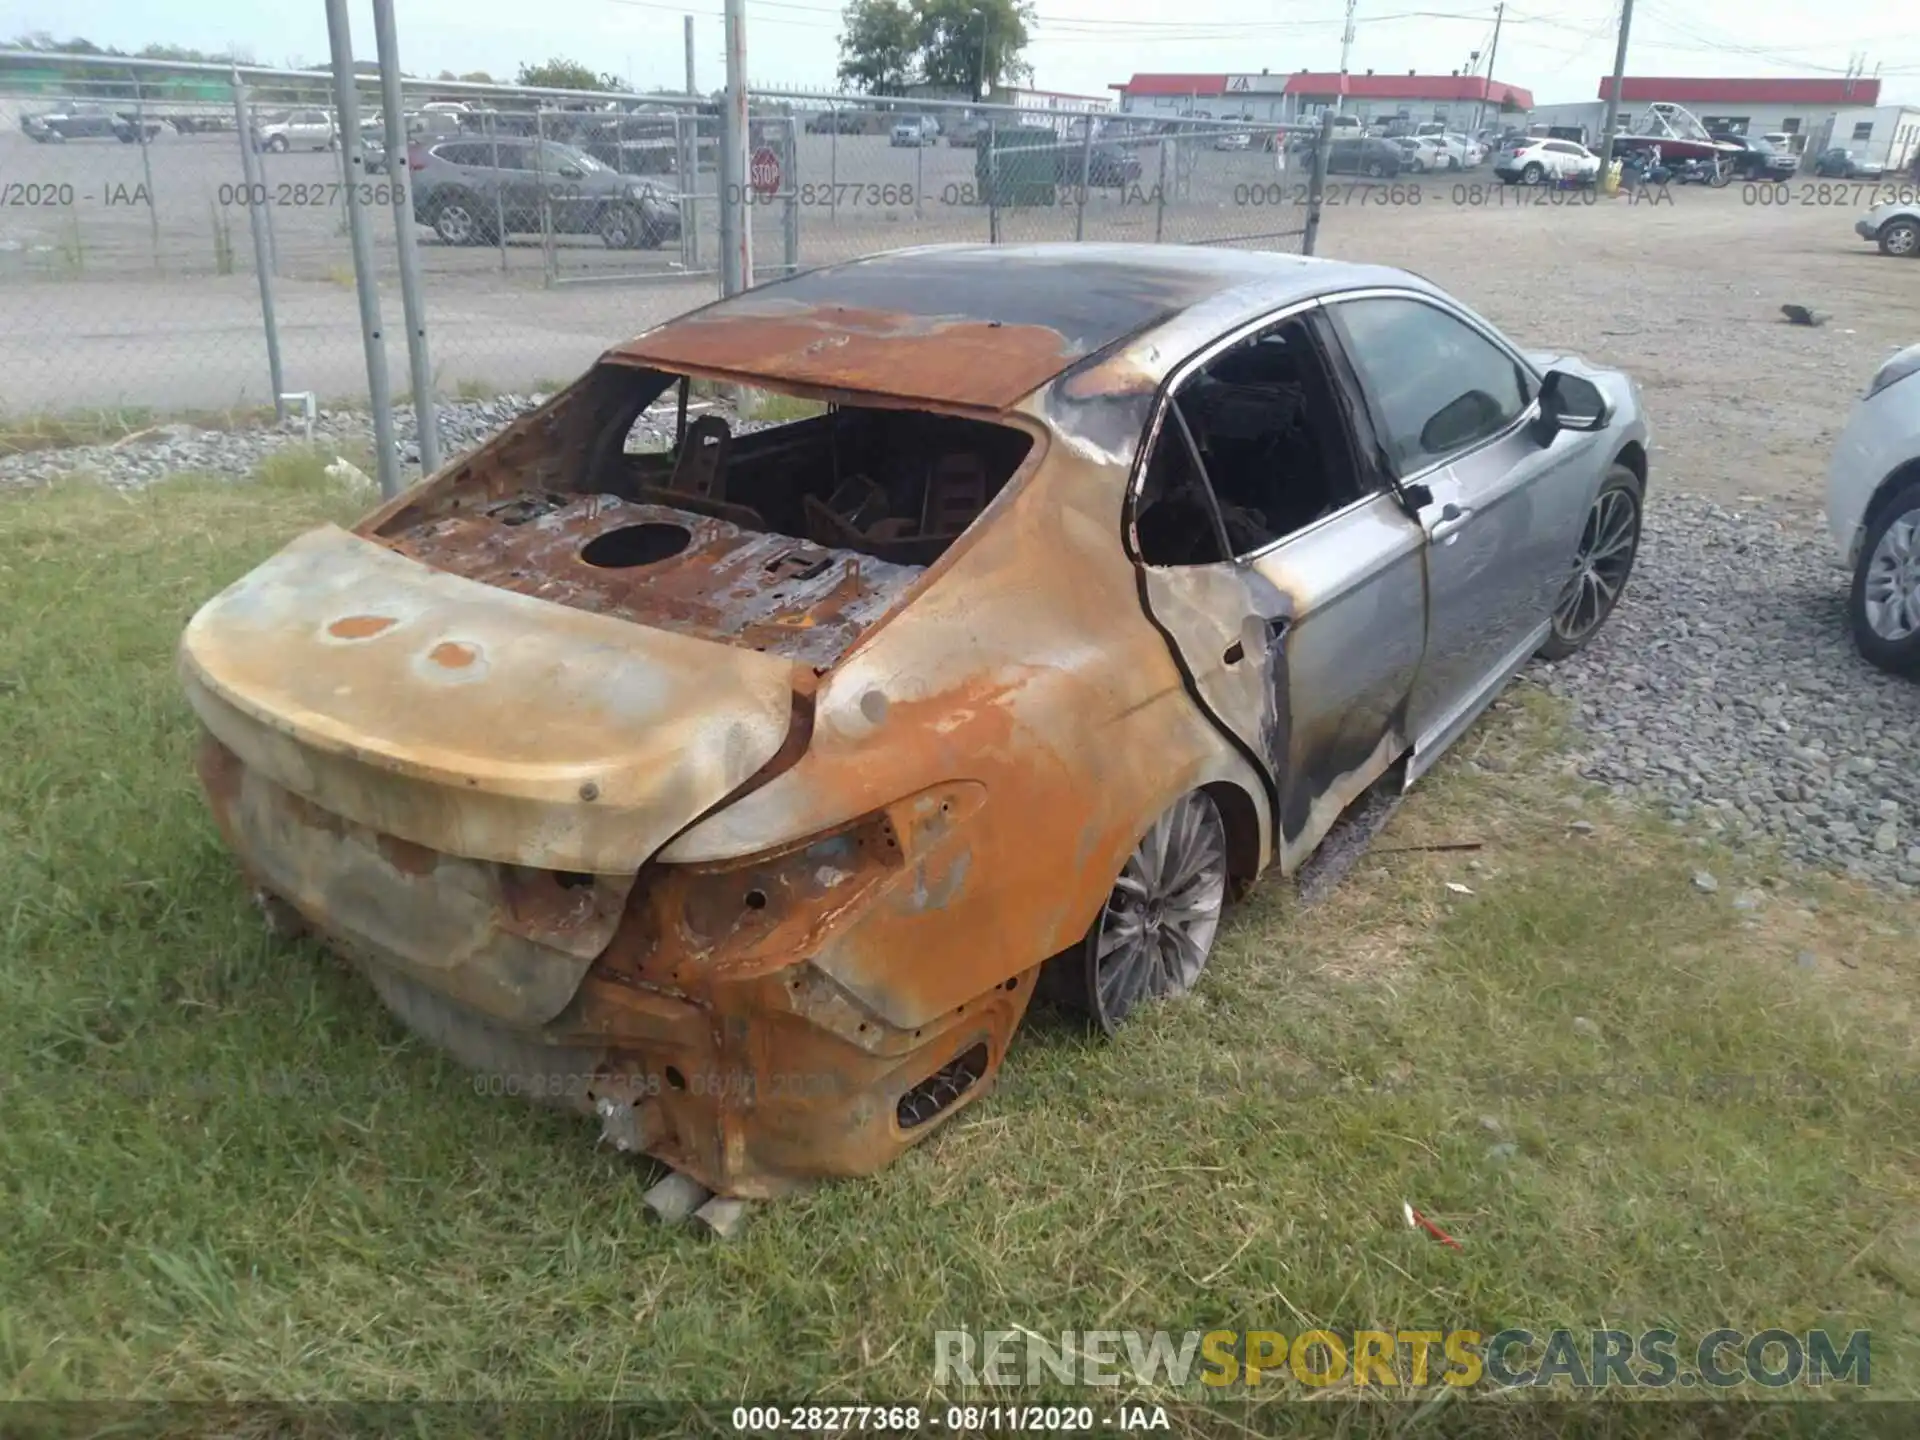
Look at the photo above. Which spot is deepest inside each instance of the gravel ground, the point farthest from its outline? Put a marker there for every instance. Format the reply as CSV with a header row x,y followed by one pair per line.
x,y
1725,689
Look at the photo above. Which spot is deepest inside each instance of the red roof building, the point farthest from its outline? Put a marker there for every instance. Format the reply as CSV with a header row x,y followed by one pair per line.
x,y
1286,96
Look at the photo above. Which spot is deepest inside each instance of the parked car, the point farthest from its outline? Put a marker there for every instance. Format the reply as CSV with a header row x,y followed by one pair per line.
x,y
1894,227
1422,153
915,131
1470,151
297,130
1539,161
1109,164
87,122
1837,164
1233,140
1375,159
840,122
1873,515
1758,160
468,190
818,749
968,133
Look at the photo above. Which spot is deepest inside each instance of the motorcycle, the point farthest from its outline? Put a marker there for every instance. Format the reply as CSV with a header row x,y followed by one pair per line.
x,y
1701,172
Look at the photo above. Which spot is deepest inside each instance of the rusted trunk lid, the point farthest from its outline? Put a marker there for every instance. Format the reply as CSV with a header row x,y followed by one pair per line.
x,y
472,720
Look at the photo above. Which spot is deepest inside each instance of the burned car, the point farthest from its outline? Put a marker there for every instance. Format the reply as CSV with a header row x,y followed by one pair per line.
x,y
745,792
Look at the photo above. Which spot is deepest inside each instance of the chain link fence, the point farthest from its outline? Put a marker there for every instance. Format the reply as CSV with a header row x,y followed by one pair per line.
x,y
874,173
167,227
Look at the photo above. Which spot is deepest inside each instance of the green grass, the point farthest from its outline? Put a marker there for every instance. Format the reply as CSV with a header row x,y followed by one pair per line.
x,y
225,1172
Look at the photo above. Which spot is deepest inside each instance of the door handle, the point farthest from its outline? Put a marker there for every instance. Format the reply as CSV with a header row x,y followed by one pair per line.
x,y
1453,519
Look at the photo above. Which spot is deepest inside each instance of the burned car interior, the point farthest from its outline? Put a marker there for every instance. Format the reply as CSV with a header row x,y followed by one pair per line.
x,y
791,538
1263,427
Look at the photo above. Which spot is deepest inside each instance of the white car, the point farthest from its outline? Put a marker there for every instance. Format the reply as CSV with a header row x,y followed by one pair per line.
x,y
1541,160
297,130
1873,514
1894,227
1421,153
1233,140
916,130
1472,152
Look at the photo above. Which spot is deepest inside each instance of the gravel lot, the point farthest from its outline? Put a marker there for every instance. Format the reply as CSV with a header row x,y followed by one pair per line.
x,y
1725,690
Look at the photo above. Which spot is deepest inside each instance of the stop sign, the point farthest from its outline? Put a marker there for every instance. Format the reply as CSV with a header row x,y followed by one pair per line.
x,y
764,172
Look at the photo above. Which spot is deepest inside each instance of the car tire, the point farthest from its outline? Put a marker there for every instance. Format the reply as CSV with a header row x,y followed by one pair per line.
x,y
1134,951
1533,174
1602,564
1376,171
621,227
1900,237
456,220
278,144
1889,565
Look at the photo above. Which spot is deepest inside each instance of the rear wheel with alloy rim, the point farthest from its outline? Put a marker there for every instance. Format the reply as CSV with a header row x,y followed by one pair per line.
x,y
1884,606
1609,542
1156,930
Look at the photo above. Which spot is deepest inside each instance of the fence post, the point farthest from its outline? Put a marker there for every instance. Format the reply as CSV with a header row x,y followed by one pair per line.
x,y
1086,179
347,105
687,160
833,163
499,190
425,420
547,256
146,161
791,229
993,181
1160,191
262,269
1317,184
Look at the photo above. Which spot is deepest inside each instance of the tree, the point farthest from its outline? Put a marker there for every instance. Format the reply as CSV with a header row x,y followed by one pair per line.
x,y
878,46
477,77
566,75
949,37
887,45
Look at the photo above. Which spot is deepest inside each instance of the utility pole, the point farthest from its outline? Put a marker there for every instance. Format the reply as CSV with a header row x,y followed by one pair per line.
x,y
1493,53
689,33
736,259
1346,52
1613,90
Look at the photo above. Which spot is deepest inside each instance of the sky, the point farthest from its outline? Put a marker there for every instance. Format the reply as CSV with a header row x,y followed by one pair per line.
x,y
1080,46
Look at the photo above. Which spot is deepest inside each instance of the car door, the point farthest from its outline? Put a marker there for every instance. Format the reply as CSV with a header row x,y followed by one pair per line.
x,y
1300,637
1455,408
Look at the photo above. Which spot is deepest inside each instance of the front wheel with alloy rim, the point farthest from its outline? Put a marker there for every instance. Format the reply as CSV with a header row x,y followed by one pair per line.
x,y
1884,606
1900,237
1609,541
1155,932
454,221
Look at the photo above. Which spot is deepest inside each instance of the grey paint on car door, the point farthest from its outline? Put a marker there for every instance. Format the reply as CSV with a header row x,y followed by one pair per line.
x,y
1455,409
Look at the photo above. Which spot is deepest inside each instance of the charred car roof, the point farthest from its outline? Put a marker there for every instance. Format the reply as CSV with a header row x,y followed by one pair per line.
x,y
974,325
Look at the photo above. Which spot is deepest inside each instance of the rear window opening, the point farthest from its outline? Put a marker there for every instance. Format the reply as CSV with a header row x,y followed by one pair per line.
x,y
772,521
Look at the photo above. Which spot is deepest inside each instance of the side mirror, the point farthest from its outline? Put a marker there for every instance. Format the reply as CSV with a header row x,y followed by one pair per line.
x,y
1568,402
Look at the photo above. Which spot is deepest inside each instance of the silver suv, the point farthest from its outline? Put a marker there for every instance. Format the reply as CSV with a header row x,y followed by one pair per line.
x,y
476,191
